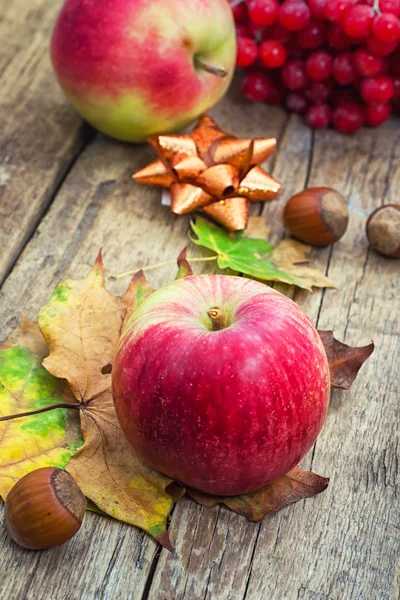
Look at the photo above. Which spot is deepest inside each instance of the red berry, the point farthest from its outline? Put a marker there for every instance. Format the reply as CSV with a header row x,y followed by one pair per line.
x,y
294,15
294,75
296,102
337,39
336,10
348,117
255,87
246,52
239,12
386,27
377,89
376,114
343,69
272,54
358,21
390,6
319,65
319,116
317,8
280,34
366,63
379,47
319,91
263,12
313,35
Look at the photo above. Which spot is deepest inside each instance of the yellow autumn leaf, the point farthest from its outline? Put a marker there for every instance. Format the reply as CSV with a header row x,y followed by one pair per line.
x,y
41,440
82,325
289,257
111,474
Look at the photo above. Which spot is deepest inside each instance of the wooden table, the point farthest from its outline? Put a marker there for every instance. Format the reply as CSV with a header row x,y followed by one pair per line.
x,y
66,191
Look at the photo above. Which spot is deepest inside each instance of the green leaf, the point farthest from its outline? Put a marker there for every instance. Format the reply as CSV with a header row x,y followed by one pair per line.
x,y
43,440
257,258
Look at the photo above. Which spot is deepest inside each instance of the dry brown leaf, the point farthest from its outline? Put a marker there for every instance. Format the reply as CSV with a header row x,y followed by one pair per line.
x,y
28,335
39,440
344,361
184,268
138,290
257,228
289,256
111,474
82,325
292,487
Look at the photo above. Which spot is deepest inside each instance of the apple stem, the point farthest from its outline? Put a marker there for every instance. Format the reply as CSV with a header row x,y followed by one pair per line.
x,y
214,69
218,318
163,264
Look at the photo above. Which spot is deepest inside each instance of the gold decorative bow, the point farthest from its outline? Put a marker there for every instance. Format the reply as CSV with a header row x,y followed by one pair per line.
x,y
211,170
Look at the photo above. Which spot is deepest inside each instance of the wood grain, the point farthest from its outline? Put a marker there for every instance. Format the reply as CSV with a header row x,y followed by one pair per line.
x,y
99,205
68,198
41,136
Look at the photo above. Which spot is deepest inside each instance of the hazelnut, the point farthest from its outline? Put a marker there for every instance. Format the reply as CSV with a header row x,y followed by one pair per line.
x,y
316,216
383,230
44,509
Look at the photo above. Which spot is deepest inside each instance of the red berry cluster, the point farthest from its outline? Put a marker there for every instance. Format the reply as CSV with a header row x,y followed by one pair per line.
x,y
336,61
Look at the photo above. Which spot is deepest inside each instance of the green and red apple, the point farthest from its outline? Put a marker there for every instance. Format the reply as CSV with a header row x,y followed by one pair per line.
x,y
134,68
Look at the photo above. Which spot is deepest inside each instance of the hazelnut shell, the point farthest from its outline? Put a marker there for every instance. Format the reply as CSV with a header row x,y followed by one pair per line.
x,y
317,216
44,509
383,230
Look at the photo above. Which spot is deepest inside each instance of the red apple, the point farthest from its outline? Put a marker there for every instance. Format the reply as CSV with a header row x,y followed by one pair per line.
x,y
135,68
221,383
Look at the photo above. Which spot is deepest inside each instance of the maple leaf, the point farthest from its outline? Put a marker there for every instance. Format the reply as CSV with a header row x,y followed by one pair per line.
x,y
82,324
344,361
292,487
257,258
40,440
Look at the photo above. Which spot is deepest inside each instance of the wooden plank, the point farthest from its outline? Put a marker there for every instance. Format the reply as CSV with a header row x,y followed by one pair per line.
x,y
99,205
345,543
41,136
343,547
224,557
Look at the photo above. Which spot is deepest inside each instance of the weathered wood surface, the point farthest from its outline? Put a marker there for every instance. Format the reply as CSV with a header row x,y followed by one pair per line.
x,y
40,136
63,198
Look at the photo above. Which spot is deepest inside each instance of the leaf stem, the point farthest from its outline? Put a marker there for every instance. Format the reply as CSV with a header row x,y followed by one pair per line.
x,y
42,410
163,264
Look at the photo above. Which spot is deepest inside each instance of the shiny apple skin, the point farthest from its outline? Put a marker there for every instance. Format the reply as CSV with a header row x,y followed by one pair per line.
x,y
229,411
130,67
